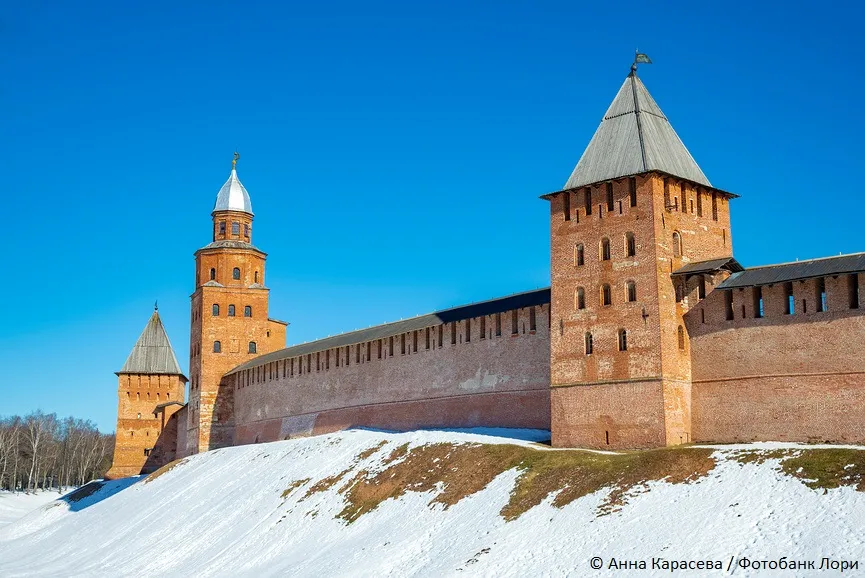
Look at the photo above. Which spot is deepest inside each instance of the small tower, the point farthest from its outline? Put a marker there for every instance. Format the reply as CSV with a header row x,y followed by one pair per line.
x,y
149,382
230,321
636,211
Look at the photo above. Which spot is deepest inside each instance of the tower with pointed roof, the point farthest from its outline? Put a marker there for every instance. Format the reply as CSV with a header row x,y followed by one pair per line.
x,y
635,212
151,389
230,322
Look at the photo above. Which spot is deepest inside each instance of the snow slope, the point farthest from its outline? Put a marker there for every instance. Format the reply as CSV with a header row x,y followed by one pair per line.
x,y
15,505
222,514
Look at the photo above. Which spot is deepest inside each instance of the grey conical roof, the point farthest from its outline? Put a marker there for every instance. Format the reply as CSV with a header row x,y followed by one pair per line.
x,y
634,137
152,352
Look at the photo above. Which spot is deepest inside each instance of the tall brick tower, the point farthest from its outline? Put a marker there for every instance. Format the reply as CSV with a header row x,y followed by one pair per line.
x,y
230,321
149,380
637,233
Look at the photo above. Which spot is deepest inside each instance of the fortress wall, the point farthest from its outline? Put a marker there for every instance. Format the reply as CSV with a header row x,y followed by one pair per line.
x,y
494,381
798,377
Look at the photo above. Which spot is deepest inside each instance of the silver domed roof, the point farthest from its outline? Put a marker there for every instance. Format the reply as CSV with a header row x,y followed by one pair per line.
x,y
233,196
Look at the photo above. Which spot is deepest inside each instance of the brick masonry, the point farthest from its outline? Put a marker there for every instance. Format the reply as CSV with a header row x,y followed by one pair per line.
x,y
489,380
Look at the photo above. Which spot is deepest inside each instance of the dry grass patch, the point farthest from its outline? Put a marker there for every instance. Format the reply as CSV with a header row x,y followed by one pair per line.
x,y
325,484
760,456
293,486
828,468
460,470
368,452
164,470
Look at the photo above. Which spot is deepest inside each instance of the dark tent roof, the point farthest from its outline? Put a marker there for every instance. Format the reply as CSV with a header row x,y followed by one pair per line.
x,y
771,274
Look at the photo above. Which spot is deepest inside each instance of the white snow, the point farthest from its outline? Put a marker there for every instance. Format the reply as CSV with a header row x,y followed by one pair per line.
x,y
222,514
14,505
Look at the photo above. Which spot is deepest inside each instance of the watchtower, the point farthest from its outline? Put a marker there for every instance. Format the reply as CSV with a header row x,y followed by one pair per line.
x,y
636,210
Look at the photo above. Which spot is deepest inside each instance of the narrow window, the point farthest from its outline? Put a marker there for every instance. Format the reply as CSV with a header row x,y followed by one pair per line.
x,y
692,206
255,275
607,436
667,204
699,202
758,302
580,298
680,292
702,315
426,337
743,311
217,347
212,273
402,344
514,322
605,249
677,244
632,291
587,194
483,321
606,295
414,341
441,335
701,287
804,306
215,310
623,340
630,245
235,274
498,324
318,360
231,310
632,191
453,332
821,295
728,304
247,311
327,360
714,206
724,236
681,332
589,344
853,289
533,322
291,368
468,330
390,346
235,228
566,205
221,227
789,303
611,206
252,348
369,350
620,207
579,255
245,230
684,199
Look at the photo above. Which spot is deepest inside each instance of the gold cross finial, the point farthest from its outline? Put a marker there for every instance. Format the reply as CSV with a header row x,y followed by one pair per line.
x,y
234,161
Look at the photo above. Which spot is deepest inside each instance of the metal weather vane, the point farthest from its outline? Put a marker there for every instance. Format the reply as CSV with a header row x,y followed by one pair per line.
x,y
234,161
640,58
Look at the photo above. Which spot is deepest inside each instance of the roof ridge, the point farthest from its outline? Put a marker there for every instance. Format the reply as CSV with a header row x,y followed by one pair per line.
x,y
805,260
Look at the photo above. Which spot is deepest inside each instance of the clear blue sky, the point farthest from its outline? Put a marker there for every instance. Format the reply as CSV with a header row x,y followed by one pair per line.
x,y
394,153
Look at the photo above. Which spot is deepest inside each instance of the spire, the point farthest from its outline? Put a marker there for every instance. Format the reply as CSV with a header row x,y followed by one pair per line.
x,y
233,196
152,352
634,137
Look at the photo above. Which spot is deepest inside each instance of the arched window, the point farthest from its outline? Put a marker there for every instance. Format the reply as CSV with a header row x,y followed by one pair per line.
x,y
681,338
217,347
605,249
632,291
630,245
623,340
589,344
212,273
246,230
680,293
221,227
231,310
580,298
235,273
256,276
606,295
579,255
247,311
252,347
677,244
215,310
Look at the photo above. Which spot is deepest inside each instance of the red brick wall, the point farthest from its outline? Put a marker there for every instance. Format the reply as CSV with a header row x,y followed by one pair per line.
x,y
491,381
797,377
651,322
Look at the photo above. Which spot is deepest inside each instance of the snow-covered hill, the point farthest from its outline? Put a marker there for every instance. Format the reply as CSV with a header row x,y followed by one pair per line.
x,y
363,503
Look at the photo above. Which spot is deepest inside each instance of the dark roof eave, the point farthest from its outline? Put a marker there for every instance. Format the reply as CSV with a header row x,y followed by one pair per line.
x,y
728,194
182,377
488,307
